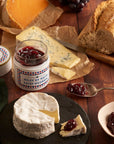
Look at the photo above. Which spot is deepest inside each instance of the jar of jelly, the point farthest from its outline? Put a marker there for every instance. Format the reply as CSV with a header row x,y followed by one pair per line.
x,y
31,65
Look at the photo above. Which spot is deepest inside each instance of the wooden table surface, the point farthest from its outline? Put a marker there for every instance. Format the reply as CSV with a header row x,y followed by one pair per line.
x,y
101,76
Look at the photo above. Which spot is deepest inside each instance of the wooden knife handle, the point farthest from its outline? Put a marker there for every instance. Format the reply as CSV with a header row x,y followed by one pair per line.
x,y
99,56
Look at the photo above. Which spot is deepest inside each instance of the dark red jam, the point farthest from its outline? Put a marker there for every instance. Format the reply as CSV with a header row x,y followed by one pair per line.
x,y
30,56
78,89
71,124
110,122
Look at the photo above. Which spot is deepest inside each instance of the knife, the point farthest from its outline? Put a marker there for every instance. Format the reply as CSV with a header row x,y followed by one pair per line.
x,y
97,55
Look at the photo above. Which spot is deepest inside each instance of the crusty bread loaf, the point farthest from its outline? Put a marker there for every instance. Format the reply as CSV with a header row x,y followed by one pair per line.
x,y
98,34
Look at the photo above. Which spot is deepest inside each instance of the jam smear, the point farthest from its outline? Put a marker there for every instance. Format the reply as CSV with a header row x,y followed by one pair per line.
x,y
29,56
71,124
79,89
110,122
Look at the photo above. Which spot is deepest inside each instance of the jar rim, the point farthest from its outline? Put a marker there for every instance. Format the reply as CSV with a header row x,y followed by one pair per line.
x,y
45,53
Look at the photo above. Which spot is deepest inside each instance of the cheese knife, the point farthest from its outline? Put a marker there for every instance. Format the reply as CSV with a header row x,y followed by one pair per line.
x,y
97,55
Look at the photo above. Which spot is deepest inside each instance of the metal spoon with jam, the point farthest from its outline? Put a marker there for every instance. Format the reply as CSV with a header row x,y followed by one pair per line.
x,y
85,89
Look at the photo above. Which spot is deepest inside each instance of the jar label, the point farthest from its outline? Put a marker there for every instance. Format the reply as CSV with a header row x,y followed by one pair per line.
x,y
31,78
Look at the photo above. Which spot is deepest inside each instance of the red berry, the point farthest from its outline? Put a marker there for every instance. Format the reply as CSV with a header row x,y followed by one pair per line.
x,y
71,124
79,89
110,122
28,55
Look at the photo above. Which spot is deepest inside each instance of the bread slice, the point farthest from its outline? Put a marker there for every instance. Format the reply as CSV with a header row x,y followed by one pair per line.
x,y
98,34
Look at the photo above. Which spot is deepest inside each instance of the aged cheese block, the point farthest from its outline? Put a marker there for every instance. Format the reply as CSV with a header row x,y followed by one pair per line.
x,y
63,72
98,34
79,129
19,13
59,55
35,114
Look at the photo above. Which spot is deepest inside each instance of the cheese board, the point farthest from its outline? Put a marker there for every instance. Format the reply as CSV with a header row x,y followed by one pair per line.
x,y
68,110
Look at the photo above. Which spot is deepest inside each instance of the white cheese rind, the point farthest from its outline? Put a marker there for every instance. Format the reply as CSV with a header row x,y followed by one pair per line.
x,y
58,54
33,130
29,120
79,129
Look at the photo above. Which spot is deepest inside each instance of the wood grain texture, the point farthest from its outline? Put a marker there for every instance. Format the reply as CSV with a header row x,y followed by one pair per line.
x,y
101,57
102,75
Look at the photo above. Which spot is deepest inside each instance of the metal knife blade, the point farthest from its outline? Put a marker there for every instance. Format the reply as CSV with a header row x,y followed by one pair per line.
x,y
97,55
71,46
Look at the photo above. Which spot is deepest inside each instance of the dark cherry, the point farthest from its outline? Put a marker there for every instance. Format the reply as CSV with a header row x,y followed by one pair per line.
x,y
71,124
76,8
29,56
75,5
79,89
84,2
74,1
110,122
63,2
81,5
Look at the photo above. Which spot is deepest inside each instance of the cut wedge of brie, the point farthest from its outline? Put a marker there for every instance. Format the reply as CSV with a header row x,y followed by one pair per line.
x,y
79,129
35,115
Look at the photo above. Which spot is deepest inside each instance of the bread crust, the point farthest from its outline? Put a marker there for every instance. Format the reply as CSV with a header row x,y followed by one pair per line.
x,y
100,28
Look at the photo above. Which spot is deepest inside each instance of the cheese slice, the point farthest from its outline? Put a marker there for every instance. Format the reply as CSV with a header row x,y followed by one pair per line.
x,y
79,129
35,114
63,72
20,13
59,55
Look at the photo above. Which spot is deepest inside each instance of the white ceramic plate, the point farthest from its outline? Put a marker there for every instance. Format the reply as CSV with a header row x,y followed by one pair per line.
x,y
102,116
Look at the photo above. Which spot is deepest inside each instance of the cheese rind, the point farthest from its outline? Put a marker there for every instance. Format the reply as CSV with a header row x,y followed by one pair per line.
x,y
63,72
20,13
34,130
28,118
59,55
79,129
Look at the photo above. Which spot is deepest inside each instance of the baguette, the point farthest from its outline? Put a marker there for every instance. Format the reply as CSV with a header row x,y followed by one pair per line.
x,y
98,34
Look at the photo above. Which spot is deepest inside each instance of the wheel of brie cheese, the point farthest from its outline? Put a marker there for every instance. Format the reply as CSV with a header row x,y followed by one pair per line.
x,y
35,115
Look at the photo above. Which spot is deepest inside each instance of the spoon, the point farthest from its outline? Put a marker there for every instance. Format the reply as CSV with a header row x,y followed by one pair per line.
x,y
85,89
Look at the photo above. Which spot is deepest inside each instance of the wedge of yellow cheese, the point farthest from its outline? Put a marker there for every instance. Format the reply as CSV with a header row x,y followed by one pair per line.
x,y
20,13
58,54
63,72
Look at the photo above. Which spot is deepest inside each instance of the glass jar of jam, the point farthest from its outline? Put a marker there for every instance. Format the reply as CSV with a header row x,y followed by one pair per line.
x,y
31,65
